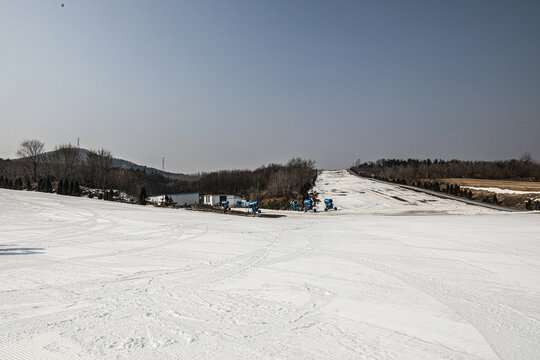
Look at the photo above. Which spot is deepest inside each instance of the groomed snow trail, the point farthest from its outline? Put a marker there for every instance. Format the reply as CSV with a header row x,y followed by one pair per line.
x,y
89,279
357,195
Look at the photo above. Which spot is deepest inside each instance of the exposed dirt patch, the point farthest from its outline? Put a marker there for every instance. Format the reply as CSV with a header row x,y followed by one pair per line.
x,y
501,184
518,201
418,213
398,198
233,212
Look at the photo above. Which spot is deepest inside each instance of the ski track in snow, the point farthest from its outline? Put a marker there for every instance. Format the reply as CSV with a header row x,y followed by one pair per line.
x,y
392,274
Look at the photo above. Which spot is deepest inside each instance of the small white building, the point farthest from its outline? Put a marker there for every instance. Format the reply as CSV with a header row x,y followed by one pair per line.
x,y
217,199
178,199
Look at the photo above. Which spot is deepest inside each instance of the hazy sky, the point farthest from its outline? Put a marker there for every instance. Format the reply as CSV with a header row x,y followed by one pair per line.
x,y
221,84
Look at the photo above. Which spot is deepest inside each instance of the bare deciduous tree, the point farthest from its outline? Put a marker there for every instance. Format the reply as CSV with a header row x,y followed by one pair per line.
x,y
415,170
65,159
99,167
32,151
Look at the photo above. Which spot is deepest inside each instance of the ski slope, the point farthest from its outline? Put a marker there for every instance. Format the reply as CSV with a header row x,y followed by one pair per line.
x,y
89,279
357,195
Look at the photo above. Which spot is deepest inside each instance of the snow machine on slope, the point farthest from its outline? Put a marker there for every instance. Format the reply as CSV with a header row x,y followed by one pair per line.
x,y
225,205
294,205
254,207
329,205
308,206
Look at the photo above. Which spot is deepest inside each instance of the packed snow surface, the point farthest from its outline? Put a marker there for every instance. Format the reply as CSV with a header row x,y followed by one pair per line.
x,y
357,196
89,279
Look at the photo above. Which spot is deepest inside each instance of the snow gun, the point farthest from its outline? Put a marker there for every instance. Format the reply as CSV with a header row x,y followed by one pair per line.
x,y
254,206
329,205
308,205
225,205
294,205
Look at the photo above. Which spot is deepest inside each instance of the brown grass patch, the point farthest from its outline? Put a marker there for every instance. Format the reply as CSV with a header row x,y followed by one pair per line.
x,y
501,184
517,201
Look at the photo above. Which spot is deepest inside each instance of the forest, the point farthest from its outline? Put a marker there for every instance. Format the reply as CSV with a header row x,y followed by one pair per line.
x,y
414,169
71,171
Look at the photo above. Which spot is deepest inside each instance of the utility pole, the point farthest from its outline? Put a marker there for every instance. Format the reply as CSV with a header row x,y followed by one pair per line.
x,y
163,164
77,142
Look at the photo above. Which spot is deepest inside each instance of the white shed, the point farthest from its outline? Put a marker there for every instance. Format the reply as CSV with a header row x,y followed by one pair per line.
x,y
178,199
235,200
217,199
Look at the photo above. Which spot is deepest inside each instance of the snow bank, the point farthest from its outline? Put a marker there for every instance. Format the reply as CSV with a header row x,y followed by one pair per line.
x,y
500,191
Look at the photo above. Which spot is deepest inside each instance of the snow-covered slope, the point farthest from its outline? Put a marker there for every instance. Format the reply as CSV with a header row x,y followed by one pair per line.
x,y
356,195
89,279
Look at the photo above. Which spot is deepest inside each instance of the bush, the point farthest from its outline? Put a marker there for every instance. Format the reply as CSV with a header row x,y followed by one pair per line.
x,y
281,203
142,196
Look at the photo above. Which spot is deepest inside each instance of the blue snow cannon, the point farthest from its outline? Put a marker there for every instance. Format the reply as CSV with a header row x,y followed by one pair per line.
x,y
254,207
308,205
294,205
225,205
329,205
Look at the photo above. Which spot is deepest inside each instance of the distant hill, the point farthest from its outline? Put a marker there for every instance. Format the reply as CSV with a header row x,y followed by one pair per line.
x,y
126,164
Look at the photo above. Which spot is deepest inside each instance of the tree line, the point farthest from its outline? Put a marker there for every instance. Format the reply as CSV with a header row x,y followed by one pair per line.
x,y
414,169
427,174
68,169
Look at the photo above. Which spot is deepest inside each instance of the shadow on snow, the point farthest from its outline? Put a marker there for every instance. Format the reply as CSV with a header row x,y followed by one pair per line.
x,y
20,250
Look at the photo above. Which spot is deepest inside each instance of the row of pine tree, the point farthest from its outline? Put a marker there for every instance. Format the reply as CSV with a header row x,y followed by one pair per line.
x,y
64,186
68,187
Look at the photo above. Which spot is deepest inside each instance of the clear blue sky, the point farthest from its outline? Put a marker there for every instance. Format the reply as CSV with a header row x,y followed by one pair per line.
x,y
236,84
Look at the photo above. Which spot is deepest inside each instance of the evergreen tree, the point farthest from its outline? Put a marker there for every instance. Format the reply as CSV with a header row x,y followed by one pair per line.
x,y
65,187
60,187
168,201
28,183
70,188
142,196
76,189
48,185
